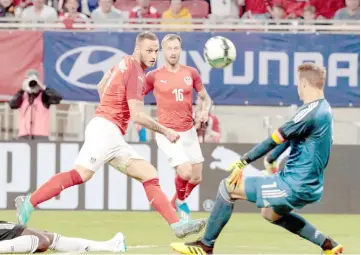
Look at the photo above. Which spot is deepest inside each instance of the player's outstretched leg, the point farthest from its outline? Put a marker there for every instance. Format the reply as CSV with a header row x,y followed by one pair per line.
x,y
219,217
147,174
70,244
25,205
301,227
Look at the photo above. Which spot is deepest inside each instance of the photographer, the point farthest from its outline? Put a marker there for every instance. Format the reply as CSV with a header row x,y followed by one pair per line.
x,y
33,102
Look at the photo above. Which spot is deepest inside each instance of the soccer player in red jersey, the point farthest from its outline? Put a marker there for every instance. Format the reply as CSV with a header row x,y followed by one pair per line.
x,y
121,98
173,86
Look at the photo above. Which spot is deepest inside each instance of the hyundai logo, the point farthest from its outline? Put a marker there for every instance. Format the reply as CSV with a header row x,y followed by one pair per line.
x,y
85,66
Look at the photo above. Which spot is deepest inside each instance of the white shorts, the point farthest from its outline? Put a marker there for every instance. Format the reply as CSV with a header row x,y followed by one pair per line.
x,y
186,149
104,142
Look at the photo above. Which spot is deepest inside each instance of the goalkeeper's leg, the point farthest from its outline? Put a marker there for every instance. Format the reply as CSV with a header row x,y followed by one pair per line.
x,y
219,217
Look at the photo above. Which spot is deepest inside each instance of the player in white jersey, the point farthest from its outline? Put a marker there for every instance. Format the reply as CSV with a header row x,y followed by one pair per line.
x,y
16,238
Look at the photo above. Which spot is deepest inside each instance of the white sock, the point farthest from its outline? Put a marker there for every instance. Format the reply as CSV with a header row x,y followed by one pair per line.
x,y
24,244
71,244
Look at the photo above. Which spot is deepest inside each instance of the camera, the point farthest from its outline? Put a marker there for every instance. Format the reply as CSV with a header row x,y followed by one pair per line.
x,y
33,83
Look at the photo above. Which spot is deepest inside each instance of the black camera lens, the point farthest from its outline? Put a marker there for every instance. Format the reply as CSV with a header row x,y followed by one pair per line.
x,y
33,83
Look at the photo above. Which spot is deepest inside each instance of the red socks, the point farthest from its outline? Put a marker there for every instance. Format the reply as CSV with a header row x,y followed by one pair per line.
x,y
55,186
189,188
183,188
180,186
159,201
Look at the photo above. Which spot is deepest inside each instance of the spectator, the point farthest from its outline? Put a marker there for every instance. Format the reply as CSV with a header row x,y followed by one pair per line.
x,y
325,9
278,12
309,12
292,8
176,11
62,8
72,15
350,12
7,8
106,12
226,8
144,10
257,9
39,11
33,102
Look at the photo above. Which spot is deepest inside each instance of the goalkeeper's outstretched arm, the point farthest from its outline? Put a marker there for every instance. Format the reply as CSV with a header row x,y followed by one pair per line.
x,y
273,156
264,147
298,127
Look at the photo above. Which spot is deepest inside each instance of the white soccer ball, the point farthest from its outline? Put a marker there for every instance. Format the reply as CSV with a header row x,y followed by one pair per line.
x,y
219,52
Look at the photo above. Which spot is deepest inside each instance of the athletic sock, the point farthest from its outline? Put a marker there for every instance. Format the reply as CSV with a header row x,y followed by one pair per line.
x,y
159,201
220,215
55,186
21,244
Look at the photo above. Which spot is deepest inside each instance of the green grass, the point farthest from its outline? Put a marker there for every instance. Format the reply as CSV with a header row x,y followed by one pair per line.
x,y
245,233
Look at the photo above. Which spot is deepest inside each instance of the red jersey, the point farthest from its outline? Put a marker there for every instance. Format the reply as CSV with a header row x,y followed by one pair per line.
x,y
151,14
257,6
293,6
174,95
327,8
69,21
125,82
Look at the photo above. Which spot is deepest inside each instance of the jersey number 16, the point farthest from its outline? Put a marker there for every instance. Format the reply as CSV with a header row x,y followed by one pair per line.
x,y
178,94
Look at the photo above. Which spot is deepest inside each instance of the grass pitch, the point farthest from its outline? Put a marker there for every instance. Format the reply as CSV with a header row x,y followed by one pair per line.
x,y
147,233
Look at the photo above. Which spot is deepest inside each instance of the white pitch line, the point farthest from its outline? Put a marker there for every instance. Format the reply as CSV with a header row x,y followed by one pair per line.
x,y
146,246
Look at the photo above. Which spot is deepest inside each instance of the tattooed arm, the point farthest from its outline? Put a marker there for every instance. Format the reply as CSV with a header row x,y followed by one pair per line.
x,y
138,115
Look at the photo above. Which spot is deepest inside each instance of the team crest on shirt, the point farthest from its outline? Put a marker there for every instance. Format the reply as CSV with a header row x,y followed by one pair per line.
x,y
122,66
188,80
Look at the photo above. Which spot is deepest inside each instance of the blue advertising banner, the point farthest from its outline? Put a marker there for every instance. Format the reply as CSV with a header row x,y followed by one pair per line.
x,y
263,73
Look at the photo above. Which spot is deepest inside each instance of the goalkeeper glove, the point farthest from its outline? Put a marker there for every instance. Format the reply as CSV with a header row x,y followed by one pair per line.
x,y
271,168
234,180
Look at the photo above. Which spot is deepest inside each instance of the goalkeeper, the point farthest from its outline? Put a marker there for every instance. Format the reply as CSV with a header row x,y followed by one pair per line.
x,y
299,183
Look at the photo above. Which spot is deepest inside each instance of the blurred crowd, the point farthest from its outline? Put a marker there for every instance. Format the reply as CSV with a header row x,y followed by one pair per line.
x,y
70,11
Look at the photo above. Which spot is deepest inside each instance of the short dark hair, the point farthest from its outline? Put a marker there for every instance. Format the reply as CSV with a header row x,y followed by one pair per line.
x,y
146,35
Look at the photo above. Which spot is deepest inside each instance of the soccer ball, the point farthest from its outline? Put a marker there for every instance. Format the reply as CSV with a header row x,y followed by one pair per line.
x,y
219,52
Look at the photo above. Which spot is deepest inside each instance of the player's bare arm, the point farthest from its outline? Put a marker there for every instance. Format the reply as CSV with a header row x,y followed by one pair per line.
x,y
139,116
205,101
204,104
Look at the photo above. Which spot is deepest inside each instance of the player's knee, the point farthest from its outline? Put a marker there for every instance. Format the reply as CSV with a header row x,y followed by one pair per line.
x,y
269,215
196,179
44,243
141,170
185,171
223,190
85,174
266,215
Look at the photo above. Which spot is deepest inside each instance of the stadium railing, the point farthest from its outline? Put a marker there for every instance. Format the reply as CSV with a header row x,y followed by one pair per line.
x,y
294,26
